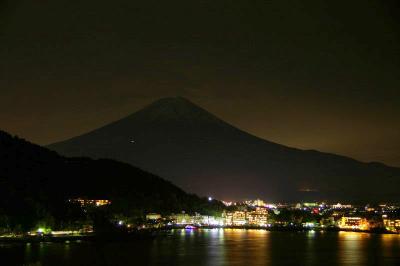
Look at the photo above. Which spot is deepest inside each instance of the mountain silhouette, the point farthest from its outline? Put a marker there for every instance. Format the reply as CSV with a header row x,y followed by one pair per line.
x,y
35,181
194,149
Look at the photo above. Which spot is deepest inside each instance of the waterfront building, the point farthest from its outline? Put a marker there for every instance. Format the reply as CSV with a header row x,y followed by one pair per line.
x,y
328,222
258,217
237,218
355,223
212,221
197,219
391,224
182,219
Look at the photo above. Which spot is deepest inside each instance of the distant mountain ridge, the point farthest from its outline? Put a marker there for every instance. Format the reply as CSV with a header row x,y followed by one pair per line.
x,y
196,150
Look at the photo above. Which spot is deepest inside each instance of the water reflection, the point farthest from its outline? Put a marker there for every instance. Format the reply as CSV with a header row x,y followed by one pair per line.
x,y
217,247
351,248
310,248
250,246
390,244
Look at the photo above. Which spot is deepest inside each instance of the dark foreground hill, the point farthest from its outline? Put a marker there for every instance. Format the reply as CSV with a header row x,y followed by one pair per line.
x,y
36,182
194,149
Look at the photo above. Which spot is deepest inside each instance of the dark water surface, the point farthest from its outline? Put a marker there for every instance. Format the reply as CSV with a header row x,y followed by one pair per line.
x,y
216,247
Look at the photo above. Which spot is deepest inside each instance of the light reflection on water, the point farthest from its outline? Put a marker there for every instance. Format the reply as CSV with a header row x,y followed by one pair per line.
x,y
217,247
352,248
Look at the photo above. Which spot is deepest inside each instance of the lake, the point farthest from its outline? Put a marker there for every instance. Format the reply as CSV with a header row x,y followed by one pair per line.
x,y
216,247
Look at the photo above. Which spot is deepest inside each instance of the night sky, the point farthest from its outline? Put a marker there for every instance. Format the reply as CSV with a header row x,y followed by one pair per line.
x,y
319,75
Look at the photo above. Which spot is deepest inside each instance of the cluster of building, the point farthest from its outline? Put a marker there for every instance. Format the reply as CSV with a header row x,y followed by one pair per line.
x,y
183,219
84,202
367,217
257,217
257,213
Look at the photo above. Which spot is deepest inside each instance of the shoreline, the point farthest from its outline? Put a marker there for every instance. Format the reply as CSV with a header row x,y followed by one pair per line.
x,y
149,234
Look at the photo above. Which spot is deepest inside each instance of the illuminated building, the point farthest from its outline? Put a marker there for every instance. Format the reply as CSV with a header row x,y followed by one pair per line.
x,y
327,222
255,203
182,219
228,203
310,204
341,206
315,206
259,217
102,202
259,203
213,221
355,223
236,218
197,219
91,202
153,216
368,208
239,218
392,225
308,225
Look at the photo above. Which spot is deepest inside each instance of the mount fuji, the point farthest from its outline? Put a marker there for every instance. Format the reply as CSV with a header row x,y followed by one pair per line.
x,y
199,152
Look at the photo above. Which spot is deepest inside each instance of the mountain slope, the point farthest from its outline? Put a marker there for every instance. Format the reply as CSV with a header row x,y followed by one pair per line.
x,y
174,138
34,179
